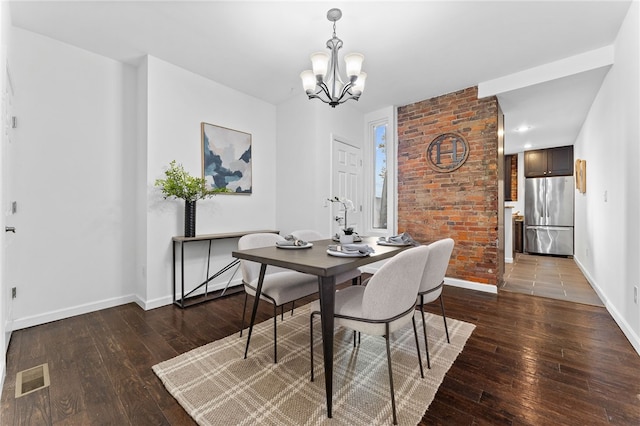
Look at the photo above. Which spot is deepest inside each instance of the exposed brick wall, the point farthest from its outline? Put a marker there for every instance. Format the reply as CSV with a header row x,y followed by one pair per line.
x,y
514,178
462,204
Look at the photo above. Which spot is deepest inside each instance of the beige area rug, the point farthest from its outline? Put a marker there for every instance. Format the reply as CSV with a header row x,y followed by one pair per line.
x,y
216,386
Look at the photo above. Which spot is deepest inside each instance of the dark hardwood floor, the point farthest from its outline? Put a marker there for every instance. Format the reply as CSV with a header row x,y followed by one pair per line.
x,y
530,361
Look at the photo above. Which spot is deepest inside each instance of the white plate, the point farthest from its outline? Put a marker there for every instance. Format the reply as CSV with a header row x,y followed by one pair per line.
x,y
388,243
296,247
345,253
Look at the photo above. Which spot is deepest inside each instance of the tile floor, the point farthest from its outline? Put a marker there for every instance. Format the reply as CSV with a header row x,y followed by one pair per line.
x,y
548,276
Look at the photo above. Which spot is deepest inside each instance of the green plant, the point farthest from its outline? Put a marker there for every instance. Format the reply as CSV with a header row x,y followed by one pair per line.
x,y
180,184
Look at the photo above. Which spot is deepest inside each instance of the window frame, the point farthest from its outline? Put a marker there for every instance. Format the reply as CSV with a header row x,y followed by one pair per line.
x,y
372,120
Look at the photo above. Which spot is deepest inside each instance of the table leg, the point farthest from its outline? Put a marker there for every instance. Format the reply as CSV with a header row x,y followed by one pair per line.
x,y
327,289
173,270
182,275
263,269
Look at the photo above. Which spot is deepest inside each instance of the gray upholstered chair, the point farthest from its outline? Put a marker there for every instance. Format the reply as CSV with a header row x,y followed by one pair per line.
x,y
384,305
354,275
280,286
432,282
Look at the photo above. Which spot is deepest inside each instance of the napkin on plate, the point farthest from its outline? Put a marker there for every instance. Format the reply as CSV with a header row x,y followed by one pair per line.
x,y
352,248
290,240
403,238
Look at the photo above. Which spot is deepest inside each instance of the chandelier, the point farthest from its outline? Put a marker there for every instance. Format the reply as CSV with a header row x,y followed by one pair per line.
x,y
324,82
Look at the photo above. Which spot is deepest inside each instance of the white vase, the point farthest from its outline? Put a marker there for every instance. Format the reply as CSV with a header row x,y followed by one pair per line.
x,y
346,239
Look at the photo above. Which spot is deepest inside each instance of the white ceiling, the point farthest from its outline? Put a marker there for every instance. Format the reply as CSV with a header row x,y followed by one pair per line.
x,y
413,50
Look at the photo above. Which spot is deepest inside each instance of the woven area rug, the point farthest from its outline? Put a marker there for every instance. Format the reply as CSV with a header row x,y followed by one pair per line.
x,y
216,386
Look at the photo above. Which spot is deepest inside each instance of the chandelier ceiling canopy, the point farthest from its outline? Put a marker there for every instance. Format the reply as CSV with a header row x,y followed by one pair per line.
x,y
324,81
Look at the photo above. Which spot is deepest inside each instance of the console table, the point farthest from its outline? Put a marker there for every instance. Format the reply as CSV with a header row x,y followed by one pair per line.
x,y
187,299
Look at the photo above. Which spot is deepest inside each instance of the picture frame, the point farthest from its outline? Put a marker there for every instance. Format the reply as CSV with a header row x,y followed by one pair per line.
x,y
226,159
581,176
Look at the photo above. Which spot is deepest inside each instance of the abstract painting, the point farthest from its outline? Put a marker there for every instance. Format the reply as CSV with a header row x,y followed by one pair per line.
x,y
226,159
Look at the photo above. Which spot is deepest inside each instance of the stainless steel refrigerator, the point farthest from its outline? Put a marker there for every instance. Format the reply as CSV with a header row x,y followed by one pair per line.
x,y
548,215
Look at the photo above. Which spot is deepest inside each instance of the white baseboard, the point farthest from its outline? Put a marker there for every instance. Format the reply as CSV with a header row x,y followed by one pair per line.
x,y
454,282
46,317
486,288
59,314
628,331
168,300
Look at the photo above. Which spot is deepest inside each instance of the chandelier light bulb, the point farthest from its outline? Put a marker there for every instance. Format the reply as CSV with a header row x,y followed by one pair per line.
x,y
354,64
320,64
308,81
358,86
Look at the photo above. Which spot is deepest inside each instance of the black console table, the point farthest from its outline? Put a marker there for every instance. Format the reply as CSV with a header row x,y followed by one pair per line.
x,y
187,299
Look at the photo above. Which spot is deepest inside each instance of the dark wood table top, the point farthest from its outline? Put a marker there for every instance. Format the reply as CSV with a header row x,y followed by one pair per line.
x,y
315,260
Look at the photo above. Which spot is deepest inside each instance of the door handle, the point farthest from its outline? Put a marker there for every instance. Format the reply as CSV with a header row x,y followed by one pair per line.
x,y
10,229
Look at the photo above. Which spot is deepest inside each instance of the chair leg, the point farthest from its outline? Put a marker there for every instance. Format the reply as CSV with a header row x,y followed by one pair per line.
x,y
244,309
275,334
393,396
356,341
281,313
444,318
415,334
424,330
293,305
311,340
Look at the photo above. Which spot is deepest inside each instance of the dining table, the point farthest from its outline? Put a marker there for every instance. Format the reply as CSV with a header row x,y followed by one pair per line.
x,y
316,260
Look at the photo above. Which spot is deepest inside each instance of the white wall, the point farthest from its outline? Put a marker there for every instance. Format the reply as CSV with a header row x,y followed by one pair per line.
x,y
95,134
305,129
177,102
74,192
607,230
6,304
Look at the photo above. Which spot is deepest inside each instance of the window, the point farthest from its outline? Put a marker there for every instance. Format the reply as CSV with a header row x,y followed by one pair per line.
x,y
379,173
380,199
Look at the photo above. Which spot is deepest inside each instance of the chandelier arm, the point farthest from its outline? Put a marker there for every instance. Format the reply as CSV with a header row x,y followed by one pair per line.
x,y
324,89
347,90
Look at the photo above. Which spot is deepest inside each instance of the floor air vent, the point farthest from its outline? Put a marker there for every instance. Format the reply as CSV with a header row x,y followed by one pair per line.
x,y
31,380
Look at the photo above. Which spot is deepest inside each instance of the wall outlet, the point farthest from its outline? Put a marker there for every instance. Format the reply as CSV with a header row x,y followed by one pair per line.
x,y
13,292
635,294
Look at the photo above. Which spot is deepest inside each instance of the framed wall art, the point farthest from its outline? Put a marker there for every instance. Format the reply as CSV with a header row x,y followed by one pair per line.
x,y
226,159
581,175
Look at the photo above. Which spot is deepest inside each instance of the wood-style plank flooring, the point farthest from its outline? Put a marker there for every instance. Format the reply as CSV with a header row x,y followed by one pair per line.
x,y
530,361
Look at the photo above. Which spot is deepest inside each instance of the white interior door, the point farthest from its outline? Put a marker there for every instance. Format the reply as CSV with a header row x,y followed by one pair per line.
x,y
347,183
8,207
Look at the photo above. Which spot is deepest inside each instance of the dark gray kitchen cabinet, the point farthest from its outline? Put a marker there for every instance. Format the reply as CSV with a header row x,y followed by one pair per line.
x,y
549,162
